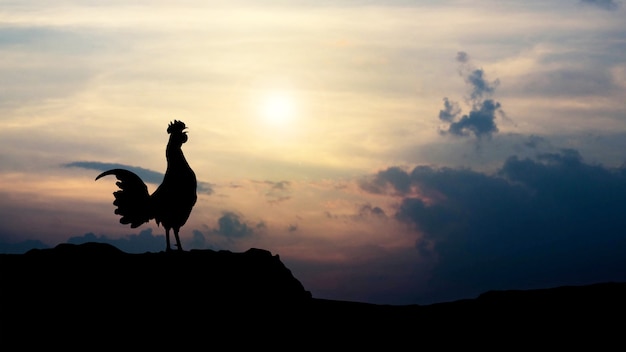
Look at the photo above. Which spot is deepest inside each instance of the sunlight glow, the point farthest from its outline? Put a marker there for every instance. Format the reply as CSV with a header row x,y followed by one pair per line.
x,y
277,108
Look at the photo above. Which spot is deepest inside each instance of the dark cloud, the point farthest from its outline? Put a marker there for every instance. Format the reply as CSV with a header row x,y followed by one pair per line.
x,y
480,86
21,247
476,79
230,225
143,242
481,121
597,147
536,222
199,241
450,110
146,175
603,4
393,176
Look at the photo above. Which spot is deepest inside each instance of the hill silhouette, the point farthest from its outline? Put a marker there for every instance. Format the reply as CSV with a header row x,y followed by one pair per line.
x,y
95,292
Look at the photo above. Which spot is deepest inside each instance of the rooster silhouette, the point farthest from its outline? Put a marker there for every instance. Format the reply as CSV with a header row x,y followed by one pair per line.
x,y
171,203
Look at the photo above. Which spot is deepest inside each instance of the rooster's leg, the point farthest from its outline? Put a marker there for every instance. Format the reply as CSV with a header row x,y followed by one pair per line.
x,y
180,248
167,240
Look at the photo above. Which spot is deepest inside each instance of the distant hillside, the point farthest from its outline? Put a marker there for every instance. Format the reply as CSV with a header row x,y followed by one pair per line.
x,y
95,290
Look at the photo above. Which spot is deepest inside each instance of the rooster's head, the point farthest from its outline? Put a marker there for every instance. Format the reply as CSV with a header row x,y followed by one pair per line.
x,y
177,128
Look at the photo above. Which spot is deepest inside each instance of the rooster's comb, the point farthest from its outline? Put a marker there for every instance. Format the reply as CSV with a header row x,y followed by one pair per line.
x,y
176,126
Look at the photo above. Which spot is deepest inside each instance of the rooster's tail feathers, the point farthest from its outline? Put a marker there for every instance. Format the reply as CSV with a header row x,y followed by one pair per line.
x,y
132,200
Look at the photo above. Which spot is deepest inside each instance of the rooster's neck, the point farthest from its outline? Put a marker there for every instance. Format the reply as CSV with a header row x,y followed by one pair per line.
x,y
174,154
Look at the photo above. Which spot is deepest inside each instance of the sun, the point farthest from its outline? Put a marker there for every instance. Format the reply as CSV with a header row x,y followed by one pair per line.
x,y
277,108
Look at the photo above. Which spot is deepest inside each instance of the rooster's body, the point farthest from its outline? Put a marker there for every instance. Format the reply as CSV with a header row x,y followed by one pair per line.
x,y
170,205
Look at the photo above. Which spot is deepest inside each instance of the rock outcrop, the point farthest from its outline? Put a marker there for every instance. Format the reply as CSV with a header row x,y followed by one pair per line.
x,y
97,273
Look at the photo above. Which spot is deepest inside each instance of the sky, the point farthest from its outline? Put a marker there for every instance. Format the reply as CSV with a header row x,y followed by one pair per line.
x,y
389,152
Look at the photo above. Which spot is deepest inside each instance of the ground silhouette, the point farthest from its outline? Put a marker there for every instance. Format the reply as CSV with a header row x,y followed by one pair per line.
x,y
171,203
94,292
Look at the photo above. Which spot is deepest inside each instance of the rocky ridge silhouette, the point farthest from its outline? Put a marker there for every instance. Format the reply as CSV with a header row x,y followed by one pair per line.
x,y
94,289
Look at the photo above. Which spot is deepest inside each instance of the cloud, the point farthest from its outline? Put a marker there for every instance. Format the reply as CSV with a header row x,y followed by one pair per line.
x,y
479,84
368,210
279,192
143,242
534,141
393,176
21,247
570,82
230,225
480,122
462,57
364,212
198,241
603,4
475,78
146,175
548,220
450,111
